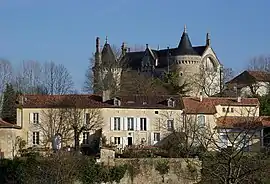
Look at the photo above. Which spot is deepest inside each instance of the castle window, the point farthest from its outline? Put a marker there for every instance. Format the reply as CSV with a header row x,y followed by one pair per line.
x,y
181,74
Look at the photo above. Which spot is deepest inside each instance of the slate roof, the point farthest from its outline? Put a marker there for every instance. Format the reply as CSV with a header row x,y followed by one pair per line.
x,y
248,77
185,46
133,59
95,101
208,105
107,55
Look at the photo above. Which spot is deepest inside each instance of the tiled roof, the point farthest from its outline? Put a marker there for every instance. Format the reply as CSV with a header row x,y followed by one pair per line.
x,y
95,101
4,124
208,105
242,122
248,77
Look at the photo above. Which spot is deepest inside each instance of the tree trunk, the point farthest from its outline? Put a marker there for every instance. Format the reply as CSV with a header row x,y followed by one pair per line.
x,y
77,140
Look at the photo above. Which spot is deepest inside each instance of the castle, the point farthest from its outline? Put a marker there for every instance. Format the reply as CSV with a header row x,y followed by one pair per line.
x,y
196,65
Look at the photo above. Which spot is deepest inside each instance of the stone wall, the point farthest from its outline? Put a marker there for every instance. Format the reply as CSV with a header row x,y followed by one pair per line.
x,y
144,170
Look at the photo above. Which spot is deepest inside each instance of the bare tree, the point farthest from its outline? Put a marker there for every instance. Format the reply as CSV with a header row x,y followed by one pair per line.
x,y
6,74
57,79
259,63
81,119
222,147
28,77
54,122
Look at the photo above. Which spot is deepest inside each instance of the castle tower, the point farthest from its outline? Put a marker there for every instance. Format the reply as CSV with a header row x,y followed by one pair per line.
x,y
97,76
186,60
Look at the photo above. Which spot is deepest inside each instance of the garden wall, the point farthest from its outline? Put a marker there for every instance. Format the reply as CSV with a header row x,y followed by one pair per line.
x,y
148,170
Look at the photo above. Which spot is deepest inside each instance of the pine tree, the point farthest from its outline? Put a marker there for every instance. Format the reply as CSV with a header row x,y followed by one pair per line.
x,y
8,113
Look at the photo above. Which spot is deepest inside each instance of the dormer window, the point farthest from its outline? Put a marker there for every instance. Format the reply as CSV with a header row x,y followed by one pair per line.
x,y
171,102
116,102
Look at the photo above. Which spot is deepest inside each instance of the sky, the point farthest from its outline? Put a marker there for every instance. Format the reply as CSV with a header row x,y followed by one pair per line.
x,y
64,31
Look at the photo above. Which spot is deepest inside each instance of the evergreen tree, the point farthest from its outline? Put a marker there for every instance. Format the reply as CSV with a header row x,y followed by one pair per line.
x,y
8,113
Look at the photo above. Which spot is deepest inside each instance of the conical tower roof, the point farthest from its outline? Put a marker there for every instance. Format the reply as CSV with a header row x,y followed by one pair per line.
x,y
107,55
185,46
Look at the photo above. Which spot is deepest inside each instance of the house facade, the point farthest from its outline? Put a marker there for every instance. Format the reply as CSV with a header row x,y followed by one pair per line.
x,y
133,120
197,66
250,83
229,122
125,121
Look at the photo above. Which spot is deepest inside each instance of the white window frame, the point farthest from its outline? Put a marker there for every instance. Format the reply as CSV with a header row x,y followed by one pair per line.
x,y
36,138
117,140
86,137
201,122
130,124
116,123
36,118
170,124
143,124
156,136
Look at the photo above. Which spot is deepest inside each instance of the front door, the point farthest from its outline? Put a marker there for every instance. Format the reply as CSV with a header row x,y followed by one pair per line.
x,y
129,141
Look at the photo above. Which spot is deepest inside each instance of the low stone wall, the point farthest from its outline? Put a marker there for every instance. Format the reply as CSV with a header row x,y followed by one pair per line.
x,y
184,171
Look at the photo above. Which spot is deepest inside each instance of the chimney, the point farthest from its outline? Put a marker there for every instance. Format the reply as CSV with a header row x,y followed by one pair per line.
x,y
207,39
239,99
129,49
201,97
106,95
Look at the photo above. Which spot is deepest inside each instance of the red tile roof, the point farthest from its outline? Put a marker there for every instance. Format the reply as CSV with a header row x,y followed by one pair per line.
x,y
4,124
95,101
242,122
208,104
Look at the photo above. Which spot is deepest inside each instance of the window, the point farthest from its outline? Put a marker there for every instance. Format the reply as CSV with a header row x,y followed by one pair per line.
x,y
116,123
85,137
228,109
223,140
130,123
170,126
232,110
201,121
143,124
156,112
117,102
87,118
171,103
35,118
117,140
223,109
35,138
156,136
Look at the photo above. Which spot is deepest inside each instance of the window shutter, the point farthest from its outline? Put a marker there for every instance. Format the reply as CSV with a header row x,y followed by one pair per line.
x,y
125,141
121,140
125,122
31,117
138,123
148,127
152,138
112,123
30,138
112,140
122,123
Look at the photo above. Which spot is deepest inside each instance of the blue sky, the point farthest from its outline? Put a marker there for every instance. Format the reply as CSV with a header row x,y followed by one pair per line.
x,y
65,30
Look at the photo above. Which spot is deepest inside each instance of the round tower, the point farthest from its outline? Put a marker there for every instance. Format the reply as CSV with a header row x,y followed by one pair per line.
x,y
186,60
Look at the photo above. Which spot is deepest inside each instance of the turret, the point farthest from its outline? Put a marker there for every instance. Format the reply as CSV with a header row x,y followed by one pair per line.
x,y
97,54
